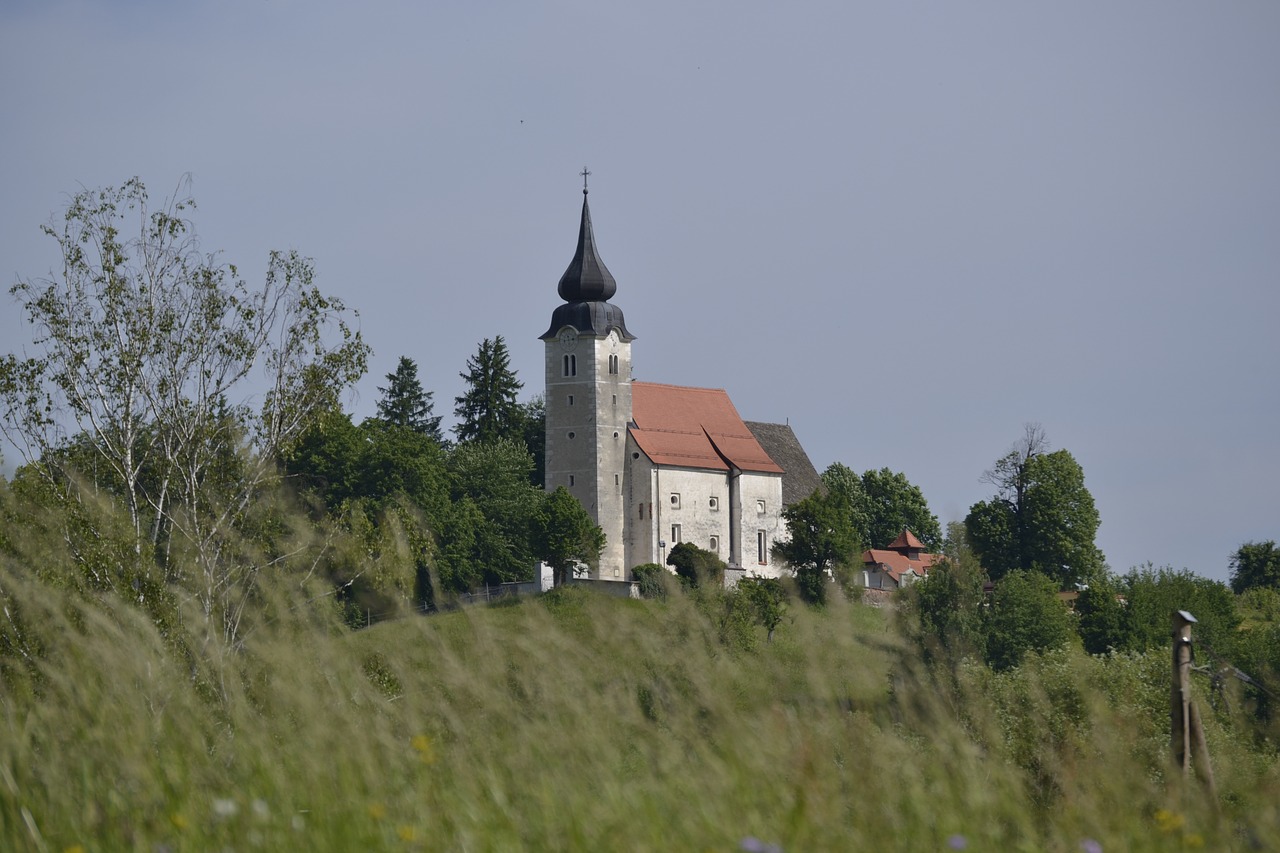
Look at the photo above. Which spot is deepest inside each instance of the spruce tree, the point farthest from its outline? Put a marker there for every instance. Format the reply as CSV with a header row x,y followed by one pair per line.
x,y
405,404
488,409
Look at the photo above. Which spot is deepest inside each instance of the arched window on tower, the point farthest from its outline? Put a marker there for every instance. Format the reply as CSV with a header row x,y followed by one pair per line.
x,y
613,365
570,365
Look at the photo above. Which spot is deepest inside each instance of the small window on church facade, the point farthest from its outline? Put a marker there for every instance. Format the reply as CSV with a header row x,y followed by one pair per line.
x,y
617,481
675,534
570,365
675,500
759,507
713,503
762,550
714,545
570,479
575,435
642,512
570,399
615,399
613,365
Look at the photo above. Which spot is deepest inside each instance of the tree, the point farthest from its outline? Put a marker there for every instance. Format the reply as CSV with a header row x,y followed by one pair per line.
x,y
405,404
768,601
534,417
146,346
495,477
894,504
947,605
882,504
567,537
1042,518
1025,616
1255,564
696,566
821,542
488,410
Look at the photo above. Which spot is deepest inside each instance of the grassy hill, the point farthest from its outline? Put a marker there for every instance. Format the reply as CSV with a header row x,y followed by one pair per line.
x,y
574,721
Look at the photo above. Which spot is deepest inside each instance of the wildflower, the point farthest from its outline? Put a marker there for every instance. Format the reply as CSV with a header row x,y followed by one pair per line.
x,y
957,842
751,844
225,807
1089,845
261,809
1169,821
74,848
406,833
1193,839
377,811
179,822
422,745
298,823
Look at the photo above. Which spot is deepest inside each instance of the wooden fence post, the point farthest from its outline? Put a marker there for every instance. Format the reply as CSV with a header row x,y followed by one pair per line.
x,y
1185,731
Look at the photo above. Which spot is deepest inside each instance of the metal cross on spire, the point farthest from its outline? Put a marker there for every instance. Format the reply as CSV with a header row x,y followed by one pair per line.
x,y
585,174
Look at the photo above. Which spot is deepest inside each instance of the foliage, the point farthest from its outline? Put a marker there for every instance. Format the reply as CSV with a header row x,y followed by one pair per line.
x,y
696,566
1255,564
534,420
1042,518
566,536
216,748
494,476
146,349
944,611
487,411
1152,595
1103,616
821,542
768,601
1025,616
882,504
652,579
404,403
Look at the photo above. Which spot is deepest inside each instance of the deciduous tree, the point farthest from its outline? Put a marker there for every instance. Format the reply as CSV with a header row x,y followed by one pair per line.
x,y
1025,616
821,542
1042,518
1255,564
566,535
150,353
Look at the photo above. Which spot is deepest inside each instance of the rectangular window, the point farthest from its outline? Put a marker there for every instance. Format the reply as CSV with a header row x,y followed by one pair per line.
x,y
615,399
642,512
762,551
713,503
759,507
675,534
715,545
617,481
570,399
570,365
570,479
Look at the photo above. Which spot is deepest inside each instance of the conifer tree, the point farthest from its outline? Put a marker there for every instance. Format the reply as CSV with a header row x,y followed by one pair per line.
x,y
405,404
488,409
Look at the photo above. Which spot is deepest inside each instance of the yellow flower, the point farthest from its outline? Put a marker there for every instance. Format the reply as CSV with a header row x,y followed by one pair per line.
x,y
406,833
377,811
179,822
1169,821
1194,840
74,848
422,745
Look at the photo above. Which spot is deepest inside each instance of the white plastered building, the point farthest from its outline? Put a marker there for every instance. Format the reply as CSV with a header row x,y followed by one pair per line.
x,y
655,464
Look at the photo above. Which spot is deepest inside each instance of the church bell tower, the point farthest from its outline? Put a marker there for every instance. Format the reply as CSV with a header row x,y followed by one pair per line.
x,y
588,395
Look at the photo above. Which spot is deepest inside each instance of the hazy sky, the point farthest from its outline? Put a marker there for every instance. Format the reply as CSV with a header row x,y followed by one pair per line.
x,y
908,228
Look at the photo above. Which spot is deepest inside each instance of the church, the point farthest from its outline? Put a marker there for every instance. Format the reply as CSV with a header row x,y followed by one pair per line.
x,y
656,464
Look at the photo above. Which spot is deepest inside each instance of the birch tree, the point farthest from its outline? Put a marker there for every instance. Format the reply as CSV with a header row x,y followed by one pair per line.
x,y
180,381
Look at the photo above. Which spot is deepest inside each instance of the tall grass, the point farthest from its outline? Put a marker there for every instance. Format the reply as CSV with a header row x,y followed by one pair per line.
x,y
573,721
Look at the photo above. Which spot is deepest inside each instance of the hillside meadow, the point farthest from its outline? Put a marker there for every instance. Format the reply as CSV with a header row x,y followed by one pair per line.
x,y
575,721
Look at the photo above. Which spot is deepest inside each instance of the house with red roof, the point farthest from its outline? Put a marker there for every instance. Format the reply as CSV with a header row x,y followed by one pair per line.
x,y
656,464
903,562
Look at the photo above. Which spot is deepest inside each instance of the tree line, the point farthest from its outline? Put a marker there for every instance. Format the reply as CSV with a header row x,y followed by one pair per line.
x,y
162,380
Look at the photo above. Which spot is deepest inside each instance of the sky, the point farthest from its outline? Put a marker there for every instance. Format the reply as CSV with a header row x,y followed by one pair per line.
x,y
905,228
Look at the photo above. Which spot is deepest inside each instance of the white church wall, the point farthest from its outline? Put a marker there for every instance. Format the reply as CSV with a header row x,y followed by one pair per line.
x,y
761,524
692,505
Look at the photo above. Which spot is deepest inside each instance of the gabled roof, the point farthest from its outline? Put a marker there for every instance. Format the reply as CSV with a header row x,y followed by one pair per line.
x,y
780,442
694,428
895,564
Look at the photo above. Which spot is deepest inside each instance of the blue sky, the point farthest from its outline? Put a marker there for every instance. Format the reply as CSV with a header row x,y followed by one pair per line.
x,y
906,228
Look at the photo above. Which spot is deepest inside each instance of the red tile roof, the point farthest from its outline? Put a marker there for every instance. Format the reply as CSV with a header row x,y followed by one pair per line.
x,y
694,428
895,564
907,540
